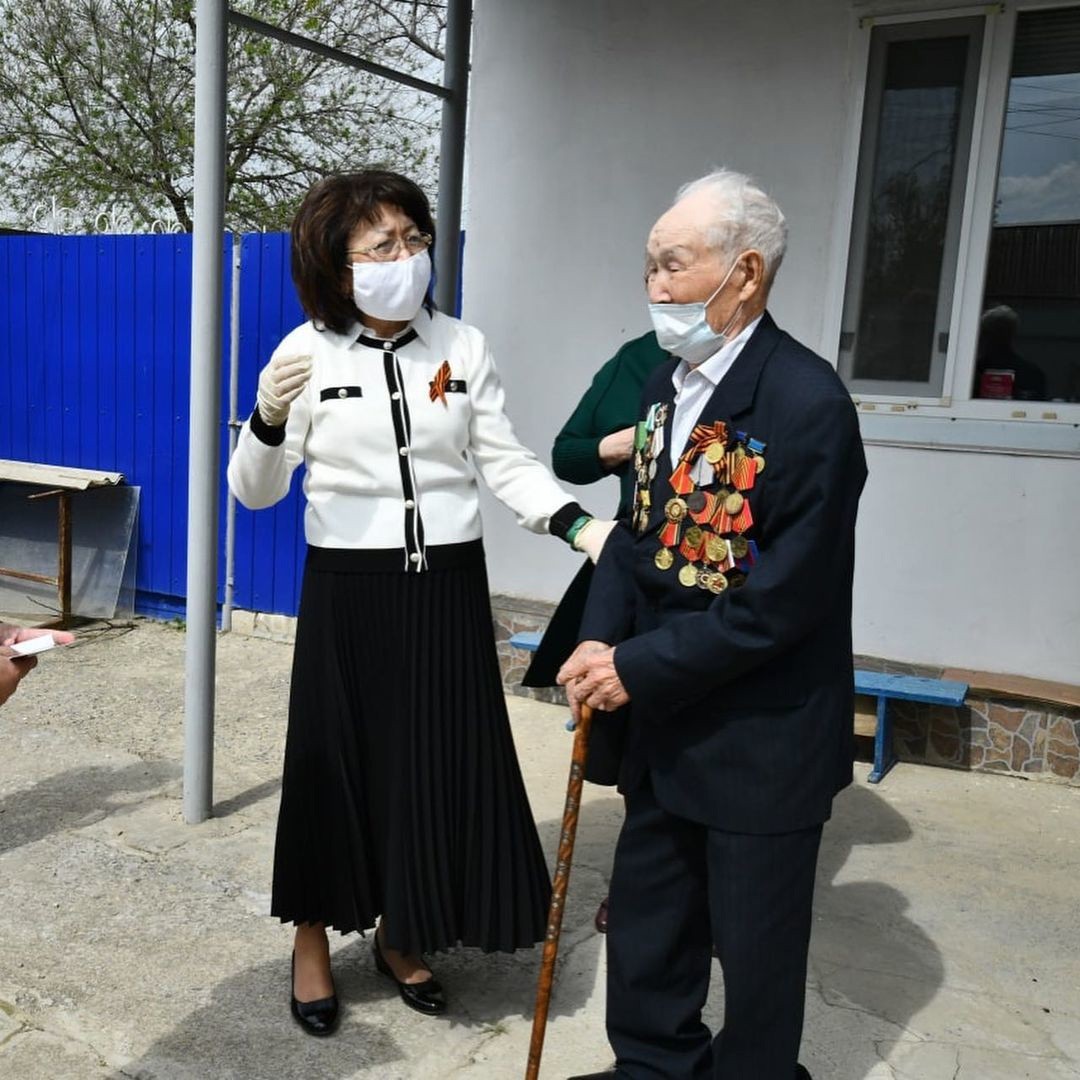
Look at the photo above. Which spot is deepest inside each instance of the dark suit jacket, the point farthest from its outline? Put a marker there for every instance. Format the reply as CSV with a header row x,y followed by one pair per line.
x,y
741,703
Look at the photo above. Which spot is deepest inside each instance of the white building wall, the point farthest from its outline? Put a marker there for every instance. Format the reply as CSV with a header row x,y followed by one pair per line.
x,y
585,118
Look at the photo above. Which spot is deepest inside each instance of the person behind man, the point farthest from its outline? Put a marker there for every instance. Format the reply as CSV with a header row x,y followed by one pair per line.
x,y
721,611
597,441
13,667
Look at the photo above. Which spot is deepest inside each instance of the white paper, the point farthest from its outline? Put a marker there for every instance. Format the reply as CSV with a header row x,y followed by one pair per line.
x,y
34,645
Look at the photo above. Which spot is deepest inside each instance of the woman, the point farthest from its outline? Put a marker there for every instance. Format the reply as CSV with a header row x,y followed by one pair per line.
x,y
597,441
402,799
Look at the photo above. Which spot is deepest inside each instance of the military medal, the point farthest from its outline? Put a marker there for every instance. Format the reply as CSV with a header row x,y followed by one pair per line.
x,y
716,550
717,553
675,509
648,445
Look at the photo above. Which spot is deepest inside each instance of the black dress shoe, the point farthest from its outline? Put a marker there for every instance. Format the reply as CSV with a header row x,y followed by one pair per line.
x,y
317,1017
426,997
607,1074
801,1073
600,922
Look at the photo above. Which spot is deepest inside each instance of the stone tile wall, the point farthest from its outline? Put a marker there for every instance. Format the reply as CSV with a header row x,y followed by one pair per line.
x,y
513,615
1021,737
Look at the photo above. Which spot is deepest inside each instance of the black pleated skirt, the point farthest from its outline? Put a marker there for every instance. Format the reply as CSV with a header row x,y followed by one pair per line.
x,y
402,796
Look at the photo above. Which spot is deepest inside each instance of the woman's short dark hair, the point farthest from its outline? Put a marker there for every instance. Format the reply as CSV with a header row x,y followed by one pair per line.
x,y
329,213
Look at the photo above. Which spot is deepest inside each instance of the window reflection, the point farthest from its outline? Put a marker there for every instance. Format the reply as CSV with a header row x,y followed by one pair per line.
x,y
909,208
920,97
1029,343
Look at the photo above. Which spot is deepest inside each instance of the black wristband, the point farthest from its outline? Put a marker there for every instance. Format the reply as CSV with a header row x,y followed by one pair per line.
x,y
266,433
564,517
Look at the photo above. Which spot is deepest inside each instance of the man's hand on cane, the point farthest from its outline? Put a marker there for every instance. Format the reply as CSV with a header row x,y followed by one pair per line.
x,y
590,678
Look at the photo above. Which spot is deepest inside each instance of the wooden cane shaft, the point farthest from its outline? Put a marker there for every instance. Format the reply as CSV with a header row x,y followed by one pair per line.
x,y
558,890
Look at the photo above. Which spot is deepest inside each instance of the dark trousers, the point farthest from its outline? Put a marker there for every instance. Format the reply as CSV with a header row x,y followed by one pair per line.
x,y
678,887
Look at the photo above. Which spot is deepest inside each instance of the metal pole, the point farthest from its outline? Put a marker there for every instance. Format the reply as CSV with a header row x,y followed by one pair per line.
x,y
203,456
452,152
234,435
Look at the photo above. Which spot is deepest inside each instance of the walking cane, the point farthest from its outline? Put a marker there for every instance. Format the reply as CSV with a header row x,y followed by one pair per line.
x,y
558,890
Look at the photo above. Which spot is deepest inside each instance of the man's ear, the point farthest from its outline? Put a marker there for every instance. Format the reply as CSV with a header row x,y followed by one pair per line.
x,y
753,267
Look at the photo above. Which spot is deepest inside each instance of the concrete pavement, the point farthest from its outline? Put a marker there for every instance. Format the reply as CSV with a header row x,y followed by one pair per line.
x,y
132,945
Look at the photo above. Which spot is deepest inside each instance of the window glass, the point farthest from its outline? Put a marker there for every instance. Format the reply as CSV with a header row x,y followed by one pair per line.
x,y
909,199
1029,339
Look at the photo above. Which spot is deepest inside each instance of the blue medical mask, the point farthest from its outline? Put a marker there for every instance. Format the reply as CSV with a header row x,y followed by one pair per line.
x,y
684,330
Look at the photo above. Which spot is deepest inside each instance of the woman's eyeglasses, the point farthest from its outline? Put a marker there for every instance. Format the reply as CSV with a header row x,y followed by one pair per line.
x,y
389,248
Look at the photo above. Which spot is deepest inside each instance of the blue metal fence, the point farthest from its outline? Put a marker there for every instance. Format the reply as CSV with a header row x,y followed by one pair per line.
x,y
94,373
269,543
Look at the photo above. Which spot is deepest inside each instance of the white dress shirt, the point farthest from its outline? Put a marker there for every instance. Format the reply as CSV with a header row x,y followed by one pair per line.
x,y
694,386
388,465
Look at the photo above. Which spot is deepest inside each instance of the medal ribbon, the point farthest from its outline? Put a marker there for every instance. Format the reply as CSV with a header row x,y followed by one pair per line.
x,y
703,436
437,390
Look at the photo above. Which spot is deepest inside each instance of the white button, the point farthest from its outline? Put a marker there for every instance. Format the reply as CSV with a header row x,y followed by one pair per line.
x,y
414,557
403,451
387,344
409,504
343,392
395,396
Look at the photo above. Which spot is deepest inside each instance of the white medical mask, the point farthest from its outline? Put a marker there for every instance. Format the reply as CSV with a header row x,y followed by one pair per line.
x,y
684,330
392,290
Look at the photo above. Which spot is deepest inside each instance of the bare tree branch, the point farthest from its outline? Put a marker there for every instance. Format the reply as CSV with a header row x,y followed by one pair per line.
x,y
99,103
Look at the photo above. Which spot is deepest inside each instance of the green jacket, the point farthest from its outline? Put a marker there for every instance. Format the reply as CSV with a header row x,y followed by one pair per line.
x,y
611,403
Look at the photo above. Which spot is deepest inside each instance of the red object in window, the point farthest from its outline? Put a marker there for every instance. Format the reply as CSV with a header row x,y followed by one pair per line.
x,y
997,383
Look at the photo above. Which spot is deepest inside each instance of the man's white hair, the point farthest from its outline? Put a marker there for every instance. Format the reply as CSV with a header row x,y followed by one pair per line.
x,y
745,218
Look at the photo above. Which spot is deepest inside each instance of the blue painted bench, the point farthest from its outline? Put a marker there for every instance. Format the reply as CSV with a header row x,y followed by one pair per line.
x,y
529,640
888,688
875,684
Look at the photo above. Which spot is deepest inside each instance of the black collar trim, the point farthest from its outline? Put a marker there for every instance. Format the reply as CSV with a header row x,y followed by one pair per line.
x,y
387,344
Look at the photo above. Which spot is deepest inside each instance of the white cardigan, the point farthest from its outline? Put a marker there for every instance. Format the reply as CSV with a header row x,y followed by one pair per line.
x,y
389,465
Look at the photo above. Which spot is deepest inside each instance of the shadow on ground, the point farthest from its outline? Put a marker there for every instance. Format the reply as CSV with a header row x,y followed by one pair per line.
x,y
77,797
245,1031
866,956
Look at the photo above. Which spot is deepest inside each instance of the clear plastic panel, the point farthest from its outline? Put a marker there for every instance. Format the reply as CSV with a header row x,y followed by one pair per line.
x,y
103,543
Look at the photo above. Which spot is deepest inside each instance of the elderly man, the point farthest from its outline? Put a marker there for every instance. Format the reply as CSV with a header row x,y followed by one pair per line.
x,y
721,611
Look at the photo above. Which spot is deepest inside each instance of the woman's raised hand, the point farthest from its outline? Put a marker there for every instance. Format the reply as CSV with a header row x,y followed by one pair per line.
x,y
280,383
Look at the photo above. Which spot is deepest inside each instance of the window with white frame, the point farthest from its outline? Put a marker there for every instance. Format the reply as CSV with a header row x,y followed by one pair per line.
x,y
959,289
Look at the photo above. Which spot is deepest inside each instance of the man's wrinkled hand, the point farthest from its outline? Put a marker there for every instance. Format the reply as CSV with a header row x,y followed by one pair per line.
x,y
590,678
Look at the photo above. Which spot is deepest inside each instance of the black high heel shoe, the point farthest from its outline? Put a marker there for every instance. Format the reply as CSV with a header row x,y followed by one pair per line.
x,y
426,997
317,1017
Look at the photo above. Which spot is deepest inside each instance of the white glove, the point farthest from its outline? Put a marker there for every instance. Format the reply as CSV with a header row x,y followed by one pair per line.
x,y
592,535
280,383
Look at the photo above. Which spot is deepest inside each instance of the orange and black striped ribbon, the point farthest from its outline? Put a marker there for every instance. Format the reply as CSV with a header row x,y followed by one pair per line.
x,y
438,385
